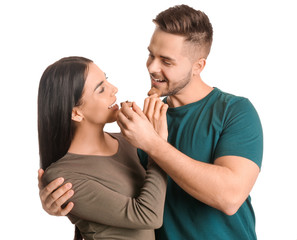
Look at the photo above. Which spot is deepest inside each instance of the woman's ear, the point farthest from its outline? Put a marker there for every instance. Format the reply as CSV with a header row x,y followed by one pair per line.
x,y
198,66
76,115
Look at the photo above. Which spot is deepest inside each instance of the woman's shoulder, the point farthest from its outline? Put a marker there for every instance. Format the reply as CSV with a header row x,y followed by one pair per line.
x,y
60,168
118,136
122,141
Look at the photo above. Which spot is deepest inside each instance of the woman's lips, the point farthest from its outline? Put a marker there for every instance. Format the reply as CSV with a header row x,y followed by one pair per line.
x,y
114,105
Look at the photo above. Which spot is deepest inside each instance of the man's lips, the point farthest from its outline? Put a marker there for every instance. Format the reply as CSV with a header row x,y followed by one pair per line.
x,y
158,80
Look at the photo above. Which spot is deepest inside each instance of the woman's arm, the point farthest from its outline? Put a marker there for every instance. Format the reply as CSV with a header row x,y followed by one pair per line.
x,y
97,203
52,196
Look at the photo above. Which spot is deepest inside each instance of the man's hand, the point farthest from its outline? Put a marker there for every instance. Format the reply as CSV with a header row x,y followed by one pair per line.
x,y
138,129
52,197
155,110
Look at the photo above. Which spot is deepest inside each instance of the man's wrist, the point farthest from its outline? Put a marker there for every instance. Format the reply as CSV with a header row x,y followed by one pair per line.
x,y
155,146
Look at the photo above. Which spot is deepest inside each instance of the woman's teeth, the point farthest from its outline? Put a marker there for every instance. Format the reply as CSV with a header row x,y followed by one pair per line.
x,y
112,105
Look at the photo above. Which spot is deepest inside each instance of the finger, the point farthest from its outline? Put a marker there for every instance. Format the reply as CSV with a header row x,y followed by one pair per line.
x,y
128,103
127,111
147,101
54,196
40,173
151,108
63,199
163,111
145,105
163,122
158,105
137,109
67,209
47,190
56,207
157,112
122,120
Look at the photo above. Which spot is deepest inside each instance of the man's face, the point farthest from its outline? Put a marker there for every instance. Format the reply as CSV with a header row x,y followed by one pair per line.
x,y
168,64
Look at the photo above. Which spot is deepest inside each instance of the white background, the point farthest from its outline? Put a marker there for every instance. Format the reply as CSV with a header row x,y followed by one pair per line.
x,y
253,55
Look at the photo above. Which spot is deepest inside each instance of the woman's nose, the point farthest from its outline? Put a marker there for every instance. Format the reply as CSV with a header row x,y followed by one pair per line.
x,y
114,90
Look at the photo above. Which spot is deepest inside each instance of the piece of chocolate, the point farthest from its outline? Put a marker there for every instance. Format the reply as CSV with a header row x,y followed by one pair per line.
x,y
154,91
129,103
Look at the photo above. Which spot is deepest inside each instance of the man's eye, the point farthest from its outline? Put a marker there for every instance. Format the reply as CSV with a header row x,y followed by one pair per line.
x,y
166,63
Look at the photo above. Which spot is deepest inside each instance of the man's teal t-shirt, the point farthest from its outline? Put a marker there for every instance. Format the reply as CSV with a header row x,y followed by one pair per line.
x,y
220,124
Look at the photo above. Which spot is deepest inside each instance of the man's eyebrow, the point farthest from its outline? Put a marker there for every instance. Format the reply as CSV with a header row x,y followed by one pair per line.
x,y
164,57
98,85
168,58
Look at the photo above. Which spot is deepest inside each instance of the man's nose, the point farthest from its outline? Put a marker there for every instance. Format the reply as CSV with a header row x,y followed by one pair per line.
x,y
153,66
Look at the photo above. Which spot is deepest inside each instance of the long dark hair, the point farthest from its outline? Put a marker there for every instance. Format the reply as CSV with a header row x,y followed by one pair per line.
x,y
60,89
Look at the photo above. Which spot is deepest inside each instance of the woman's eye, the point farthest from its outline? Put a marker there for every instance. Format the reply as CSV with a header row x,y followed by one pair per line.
x,y
102,90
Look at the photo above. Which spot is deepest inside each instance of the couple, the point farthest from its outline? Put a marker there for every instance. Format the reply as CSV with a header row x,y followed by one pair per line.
x,y
212,155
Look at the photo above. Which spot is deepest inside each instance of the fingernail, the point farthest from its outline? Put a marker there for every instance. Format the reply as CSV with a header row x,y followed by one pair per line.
x,y
60,180
71,192
68,185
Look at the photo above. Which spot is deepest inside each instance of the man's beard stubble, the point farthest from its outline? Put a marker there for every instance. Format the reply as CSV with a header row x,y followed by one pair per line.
x,y
181,84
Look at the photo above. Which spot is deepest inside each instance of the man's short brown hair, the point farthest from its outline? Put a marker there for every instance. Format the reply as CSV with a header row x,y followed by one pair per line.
x,y
185,21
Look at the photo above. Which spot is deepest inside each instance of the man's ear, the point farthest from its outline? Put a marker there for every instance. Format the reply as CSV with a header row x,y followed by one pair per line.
x,y
76,115
198,66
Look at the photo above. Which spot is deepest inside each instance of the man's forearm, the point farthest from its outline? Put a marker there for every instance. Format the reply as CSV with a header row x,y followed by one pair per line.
x,y
224,185
215,185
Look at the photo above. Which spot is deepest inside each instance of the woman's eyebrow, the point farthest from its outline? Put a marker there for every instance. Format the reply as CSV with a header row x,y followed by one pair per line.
x,y
98,85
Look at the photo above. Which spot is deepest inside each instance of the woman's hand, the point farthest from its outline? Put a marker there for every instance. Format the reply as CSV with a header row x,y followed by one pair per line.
x,y
52,196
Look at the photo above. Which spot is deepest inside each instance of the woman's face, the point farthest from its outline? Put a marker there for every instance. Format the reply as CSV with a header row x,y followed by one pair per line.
x,y
98,99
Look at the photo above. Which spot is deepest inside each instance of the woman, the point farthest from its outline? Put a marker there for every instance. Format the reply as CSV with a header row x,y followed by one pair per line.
x,y
114,196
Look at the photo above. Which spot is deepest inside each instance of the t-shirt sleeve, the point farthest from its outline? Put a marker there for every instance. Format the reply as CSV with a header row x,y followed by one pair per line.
x,y
97,203
143,157
242,133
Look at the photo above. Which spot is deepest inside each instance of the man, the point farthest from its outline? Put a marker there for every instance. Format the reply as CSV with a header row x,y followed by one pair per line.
x,y
214,150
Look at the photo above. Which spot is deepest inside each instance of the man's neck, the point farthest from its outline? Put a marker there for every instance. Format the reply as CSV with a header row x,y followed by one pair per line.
x,y
193,92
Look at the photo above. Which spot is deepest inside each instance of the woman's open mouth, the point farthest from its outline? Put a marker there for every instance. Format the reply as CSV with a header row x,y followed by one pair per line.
x,y
114,105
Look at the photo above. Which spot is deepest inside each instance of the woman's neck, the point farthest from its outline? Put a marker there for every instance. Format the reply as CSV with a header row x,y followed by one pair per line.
x,y
92,141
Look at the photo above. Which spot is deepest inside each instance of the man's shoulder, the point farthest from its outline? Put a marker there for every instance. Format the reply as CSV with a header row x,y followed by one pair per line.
x,y
230,98
233,103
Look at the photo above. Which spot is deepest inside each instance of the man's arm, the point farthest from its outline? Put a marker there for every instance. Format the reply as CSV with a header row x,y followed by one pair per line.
x,y
224,185
52,196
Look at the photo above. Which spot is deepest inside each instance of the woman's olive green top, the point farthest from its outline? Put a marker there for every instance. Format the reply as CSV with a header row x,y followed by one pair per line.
x,y
114,197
